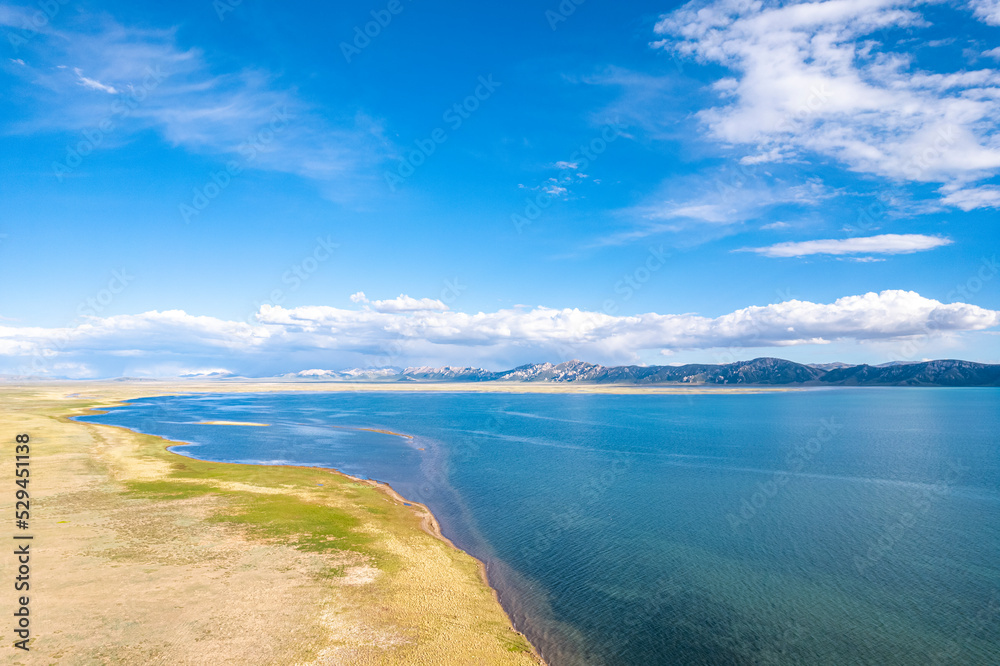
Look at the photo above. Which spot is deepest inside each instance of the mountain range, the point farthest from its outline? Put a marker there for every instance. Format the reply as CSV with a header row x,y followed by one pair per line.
x,y
759,371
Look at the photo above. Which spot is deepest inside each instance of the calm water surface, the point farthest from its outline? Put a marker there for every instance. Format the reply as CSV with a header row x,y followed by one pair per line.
x,y
847,526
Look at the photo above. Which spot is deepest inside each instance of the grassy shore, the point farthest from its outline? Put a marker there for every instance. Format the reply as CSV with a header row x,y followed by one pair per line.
x,y
142,556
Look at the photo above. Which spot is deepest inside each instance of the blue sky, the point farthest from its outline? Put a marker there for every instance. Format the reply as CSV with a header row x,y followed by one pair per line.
x,y
259,189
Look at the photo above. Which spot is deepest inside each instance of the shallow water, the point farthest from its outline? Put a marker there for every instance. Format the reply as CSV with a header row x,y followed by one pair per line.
x,y
846,526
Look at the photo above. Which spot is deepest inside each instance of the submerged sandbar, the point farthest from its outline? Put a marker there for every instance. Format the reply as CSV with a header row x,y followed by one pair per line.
x,y
234,423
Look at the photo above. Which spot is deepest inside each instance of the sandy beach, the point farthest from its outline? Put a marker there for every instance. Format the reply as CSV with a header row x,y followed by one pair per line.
x,y
142,556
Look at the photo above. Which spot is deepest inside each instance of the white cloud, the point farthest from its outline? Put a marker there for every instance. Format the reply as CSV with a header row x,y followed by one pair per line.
x,y
883,244
641,93
404,303
25,21
192,102
974,197
705,212
94,84
773,155
558,186
987,10
401,303
726,199
566,165
287,340
811,78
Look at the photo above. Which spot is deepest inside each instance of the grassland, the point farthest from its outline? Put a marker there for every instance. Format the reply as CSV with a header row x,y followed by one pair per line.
x,y
141,556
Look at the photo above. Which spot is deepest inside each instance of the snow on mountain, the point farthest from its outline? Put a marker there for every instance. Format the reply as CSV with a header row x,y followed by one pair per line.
x,y
208,374
448,373
759,371
347,375
569,371
372,373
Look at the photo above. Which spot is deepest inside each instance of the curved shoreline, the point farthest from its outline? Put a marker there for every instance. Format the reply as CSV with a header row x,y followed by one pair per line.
x,y
428,521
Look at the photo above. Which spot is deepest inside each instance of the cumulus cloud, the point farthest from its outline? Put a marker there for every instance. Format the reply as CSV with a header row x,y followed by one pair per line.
x,y
883,244
404,303
418,331
401,303
812,78
988,11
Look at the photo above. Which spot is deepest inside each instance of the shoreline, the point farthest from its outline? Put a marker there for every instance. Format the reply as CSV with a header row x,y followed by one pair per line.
x,y
428,521
99,396
258,563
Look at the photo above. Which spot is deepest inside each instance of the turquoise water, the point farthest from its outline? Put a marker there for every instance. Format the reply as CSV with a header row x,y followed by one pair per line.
x,y
846,526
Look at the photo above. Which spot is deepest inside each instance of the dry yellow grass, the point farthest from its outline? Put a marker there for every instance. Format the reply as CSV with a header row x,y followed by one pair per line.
x,y
141,556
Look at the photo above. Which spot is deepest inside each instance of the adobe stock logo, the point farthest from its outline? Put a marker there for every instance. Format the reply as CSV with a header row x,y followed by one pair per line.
x,y
121,109
36,21
217,182
95,305
561,13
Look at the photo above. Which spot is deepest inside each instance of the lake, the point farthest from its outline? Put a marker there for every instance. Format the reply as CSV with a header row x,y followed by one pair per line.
x,y
837,526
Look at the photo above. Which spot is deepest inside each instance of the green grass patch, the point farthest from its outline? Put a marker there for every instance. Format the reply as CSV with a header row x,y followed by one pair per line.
x,y
165,490
514,642
334,572
308,525
311,527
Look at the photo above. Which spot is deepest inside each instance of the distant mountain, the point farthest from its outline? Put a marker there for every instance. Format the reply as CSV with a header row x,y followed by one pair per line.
x,y
758,372
448,374
570,371
930,373
353,374
209,374
829,366
837,365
